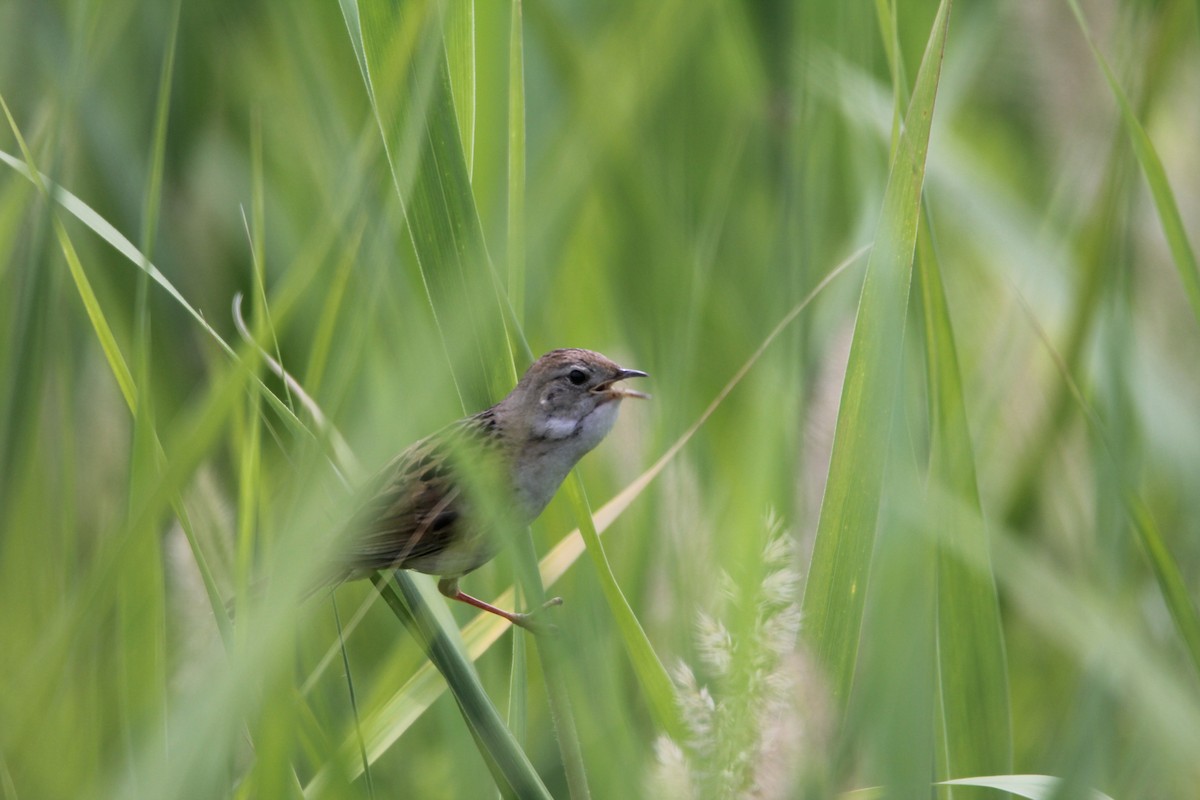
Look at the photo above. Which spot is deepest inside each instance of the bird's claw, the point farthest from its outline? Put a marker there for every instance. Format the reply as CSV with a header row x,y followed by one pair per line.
x,y
532,621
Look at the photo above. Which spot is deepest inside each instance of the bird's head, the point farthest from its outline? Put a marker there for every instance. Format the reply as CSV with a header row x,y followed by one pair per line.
x,y
572,393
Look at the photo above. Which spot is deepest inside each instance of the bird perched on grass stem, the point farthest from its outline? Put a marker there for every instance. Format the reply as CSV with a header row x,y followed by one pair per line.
x,y
429,510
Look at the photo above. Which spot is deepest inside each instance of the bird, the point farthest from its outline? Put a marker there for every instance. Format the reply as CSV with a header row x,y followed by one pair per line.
x,y
436,507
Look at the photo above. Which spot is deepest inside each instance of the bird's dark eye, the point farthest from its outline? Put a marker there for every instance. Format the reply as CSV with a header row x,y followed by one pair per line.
x,y
577,377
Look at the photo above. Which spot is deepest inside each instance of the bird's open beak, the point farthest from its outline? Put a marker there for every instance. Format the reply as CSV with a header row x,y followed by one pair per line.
x,y
617,392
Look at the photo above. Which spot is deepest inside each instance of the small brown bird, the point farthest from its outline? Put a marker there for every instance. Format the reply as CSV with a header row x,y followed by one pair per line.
x,y
426,513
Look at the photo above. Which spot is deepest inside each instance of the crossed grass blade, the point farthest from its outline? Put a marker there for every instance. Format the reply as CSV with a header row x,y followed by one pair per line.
x,y
834,595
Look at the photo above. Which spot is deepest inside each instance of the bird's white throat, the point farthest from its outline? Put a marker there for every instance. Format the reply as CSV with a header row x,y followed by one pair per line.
x,y
556,427
565,441
597,424
589,431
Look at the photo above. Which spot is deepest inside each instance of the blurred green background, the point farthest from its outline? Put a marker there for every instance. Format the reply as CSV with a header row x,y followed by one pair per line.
x,y
673,179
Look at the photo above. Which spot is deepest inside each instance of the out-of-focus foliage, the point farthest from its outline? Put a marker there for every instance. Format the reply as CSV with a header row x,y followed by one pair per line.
x,y
690,172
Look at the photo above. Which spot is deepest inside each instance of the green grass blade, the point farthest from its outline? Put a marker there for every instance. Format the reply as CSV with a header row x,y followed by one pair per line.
x,y
889,33
411,94
354,25
519,677
1034,787
318,357
104,334
141,599
154,181
972,665
108,342
516,163
518,695
837,582
508,761
652,675
1171,583
353,698
517,713
1156,176
460,56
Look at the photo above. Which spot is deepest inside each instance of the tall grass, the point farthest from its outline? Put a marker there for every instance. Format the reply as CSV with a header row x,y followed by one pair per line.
x,y
981,439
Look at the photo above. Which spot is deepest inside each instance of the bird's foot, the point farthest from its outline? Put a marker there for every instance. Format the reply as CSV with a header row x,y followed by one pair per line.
x,y
527,620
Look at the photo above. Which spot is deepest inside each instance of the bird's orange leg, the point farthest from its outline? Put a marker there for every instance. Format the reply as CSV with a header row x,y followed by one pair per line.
x,y
449,588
